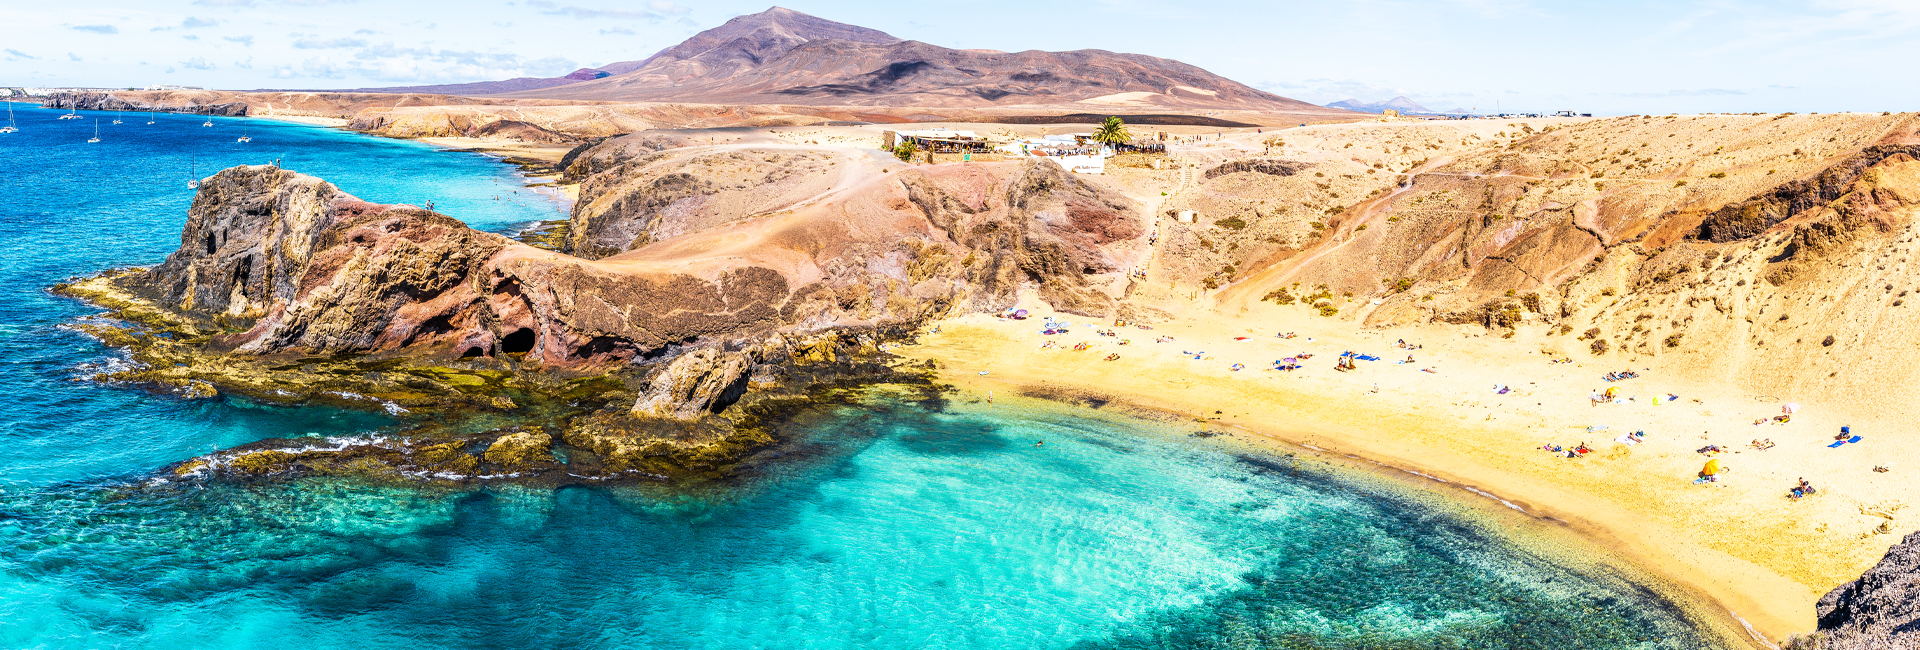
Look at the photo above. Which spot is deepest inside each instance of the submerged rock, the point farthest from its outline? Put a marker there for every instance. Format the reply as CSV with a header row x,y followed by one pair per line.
x,y
516,451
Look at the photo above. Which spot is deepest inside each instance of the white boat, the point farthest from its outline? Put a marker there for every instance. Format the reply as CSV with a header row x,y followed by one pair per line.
x,y
149,117
209,122
244,139
69,116
9,128
96,132
193,177
116,118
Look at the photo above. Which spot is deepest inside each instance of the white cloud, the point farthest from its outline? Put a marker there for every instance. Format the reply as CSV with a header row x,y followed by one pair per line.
x,y
17,53
196,63
656,11
328,44
243,40
97,29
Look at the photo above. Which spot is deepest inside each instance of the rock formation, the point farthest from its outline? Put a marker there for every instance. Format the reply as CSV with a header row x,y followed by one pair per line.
x,y
286,289
1880,611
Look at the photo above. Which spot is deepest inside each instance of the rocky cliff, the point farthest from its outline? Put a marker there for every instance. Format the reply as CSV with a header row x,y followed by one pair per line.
x,y
112,102
1880,611
667,353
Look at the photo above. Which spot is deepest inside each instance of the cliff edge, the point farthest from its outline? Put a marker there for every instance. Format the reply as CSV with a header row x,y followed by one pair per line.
x,y
1880,611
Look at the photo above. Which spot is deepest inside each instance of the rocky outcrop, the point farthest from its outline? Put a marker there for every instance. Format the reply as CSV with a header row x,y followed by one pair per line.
x,y
667,357
112,102
1753,216
1880,611
520,450
697,383
308,269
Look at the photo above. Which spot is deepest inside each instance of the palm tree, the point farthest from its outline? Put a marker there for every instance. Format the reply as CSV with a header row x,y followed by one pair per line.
x,y
1113,132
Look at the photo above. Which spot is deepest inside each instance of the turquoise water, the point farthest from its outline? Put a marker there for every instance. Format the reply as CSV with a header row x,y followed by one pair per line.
x,y
894,524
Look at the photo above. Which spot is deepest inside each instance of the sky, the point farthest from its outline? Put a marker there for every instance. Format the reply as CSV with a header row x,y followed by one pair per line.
x,y
1604,57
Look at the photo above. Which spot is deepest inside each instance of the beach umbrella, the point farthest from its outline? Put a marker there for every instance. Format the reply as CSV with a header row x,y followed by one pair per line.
x,y
1790,408
1712,468
1019,313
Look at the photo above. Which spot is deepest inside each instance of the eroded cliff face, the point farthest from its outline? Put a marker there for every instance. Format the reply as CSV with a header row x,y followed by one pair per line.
x,y
170,103
1880,611
308,269
923,240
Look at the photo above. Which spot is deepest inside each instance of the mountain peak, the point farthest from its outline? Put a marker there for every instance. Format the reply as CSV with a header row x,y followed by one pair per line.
x,y
760,36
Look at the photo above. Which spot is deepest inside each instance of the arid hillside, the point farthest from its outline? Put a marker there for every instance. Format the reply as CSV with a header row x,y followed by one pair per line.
x,y
1775,245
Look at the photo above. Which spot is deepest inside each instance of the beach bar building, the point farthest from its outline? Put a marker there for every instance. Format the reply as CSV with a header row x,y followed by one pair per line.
x,y
938,140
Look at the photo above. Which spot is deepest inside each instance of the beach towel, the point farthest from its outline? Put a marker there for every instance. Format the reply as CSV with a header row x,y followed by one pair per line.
x,y
1854,439
1625,439
1367,357
1836,444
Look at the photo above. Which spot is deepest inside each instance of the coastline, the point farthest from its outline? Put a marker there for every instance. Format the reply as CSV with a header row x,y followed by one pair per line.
x,y
1542,533
1639,504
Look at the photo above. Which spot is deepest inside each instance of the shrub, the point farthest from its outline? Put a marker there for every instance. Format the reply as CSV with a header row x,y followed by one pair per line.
x,y
1231,223
1717,175
1280,295
905,151
1599,346
1673,341
1329,310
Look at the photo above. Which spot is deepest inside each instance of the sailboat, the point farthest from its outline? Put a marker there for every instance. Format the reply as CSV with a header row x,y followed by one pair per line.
x,y
244,138
9,128
69,116
209,122
149,117
193,180
96,132
116,117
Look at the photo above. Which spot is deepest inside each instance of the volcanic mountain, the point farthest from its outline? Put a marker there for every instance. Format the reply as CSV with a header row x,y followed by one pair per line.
x,y
781,56
1402,104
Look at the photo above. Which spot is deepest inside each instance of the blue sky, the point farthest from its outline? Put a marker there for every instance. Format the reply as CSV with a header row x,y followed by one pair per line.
x,y
1622,56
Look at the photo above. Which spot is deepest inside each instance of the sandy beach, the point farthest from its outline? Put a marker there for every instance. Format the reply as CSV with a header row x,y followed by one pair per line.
x,y
1738,542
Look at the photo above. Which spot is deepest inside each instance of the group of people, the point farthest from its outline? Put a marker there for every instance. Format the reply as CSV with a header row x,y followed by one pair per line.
x,y
1619,376
1576,452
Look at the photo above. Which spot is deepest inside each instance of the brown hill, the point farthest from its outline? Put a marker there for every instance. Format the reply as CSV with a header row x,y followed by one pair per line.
x,y
786,57
753,37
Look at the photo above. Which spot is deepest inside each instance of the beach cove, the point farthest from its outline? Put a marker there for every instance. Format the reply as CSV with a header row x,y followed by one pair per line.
x,y
1738,543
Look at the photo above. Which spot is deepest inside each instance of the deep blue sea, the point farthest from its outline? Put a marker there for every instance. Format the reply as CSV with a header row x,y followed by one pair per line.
x,y
889,525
